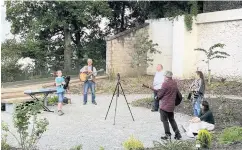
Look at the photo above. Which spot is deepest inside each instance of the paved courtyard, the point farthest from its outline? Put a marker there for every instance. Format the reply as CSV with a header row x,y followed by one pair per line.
x,y
86,125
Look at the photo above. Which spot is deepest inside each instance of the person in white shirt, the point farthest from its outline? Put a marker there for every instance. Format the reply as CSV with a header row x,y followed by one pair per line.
x,y
158,81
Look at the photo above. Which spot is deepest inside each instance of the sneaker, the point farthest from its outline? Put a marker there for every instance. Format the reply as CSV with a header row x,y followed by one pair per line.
x,y
95,103
166,137
178,136
84,103
60,113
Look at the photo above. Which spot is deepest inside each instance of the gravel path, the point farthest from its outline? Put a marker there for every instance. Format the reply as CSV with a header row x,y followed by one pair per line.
x,y
86,125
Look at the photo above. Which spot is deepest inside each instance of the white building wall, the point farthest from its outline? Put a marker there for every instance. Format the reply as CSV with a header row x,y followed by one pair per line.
x,y
160,31
221,27
177,44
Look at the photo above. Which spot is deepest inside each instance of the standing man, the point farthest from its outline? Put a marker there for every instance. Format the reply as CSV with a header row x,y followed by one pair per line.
x,y
90,83
158,81
167,96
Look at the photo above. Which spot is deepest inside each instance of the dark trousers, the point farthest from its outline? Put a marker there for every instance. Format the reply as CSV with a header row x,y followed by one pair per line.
x,y
165,116
155,103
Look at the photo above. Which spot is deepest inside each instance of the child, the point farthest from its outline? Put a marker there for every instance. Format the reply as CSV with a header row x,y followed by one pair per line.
x,y
60,82
198,88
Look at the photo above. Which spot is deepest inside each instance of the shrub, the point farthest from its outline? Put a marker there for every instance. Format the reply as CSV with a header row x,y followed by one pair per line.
x,y
174,145
231,135
101,148
53,100
4,145
133,144
204,138
21,119
78,147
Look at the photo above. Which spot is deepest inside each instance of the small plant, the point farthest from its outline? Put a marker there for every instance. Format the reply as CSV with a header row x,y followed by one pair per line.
x,y
53,100
174,145
133,144
204,138
101,148
231,135
78,147
211,54
4,145
21,119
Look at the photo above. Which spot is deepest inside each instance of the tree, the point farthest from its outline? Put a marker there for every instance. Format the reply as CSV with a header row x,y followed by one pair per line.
x,y
212,54
142,46
68,21
11,53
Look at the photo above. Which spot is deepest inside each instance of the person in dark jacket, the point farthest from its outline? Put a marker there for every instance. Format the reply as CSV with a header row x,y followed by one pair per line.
x,y
167,96
204,121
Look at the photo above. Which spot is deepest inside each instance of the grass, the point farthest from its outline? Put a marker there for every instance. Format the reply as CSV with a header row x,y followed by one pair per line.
x,y
231,135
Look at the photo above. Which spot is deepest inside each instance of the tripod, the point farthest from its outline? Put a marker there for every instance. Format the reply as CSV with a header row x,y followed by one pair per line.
x,y
117,95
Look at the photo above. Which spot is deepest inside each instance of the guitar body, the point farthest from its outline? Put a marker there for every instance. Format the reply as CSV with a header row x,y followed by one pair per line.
x,y
83,77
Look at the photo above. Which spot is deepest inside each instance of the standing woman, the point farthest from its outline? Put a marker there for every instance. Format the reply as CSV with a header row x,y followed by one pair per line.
x,y
198,89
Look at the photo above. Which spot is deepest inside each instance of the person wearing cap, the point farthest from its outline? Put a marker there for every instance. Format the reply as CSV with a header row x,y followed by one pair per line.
x,y
158,81
167,97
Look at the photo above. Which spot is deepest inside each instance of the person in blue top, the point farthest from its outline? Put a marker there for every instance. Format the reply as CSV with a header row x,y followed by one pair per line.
x,y
60,82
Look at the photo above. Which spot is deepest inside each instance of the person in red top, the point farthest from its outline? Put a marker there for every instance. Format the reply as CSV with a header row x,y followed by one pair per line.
x,y
167,96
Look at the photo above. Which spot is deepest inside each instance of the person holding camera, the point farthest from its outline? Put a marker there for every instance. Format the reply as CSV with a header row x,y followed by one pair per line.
x,y
197,90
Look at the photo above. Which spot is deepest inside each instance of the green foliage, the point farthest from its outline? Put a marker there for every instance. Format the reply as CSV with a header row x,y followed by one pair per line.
x,y
101,148
133,144
4,145
174,145
188,19
147,102
57,30
204,138
142,46
22,118
231,135
53,100
211,54
78,147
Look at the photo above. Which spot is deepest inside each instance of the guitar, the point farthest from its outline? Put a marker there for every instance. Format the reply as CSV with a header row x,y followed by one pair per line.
x,y
84,76
178,96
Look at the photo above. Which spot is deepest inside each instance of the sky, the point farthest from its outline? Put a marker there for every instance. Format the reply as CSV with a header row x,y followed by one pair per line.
x,y
5,25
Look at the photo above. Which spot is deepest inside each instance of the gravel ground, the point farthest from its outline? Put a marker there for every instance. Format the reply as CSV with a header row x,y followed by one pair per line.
x,y
86,125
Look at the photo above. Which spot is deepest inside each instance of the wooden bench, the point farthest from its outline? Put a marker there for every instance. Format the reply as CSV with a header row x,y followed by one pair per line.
x,y
11,103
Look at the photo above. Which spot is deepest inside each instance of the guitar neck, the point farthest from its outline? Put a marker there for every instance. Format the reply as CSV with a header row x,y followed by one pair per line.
x,y
149,87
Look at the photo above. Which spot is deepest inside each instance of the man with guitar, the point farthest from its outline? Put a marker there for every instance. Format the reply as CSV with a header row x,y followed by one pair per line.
x,y
168,95
90,82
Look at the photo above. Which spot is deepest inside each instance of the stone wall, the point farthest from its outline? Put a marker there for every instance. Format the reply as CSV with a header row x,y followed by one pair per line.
x,y
119,48
177,45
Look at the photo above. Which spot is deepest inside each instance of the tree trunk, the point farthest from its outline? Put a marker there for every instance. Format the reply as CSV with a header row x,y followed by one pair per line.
x,y
68,50
209,74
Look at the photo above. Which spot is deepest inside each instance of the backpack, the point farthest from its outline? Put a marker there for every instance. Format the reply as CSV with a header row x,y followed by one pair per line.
x,y
178,98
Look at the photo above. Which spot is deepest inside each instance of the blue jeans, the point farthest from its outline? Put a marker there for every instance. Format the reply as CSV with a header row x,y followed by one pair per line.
x,y
196,105
89,84
60,97
155,103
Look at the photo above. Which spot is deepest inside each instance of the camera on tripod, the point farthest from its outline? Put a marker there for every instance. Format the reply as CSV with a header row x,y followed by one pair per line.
x,y
117,95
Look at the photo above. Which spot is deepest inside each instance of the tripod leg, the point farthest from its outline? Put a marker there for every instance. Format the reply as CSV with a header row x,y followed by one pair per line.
x,y
111,100
116,106
126,100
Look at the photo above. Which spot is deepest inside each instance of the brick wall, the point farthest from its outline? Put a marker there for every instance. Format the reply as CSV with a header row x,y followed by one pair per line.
x,y
119,48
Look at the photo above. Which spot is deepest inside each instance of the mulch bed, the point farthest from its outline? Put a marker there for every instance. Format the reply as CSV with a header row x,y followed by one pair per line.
x,y
227,112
